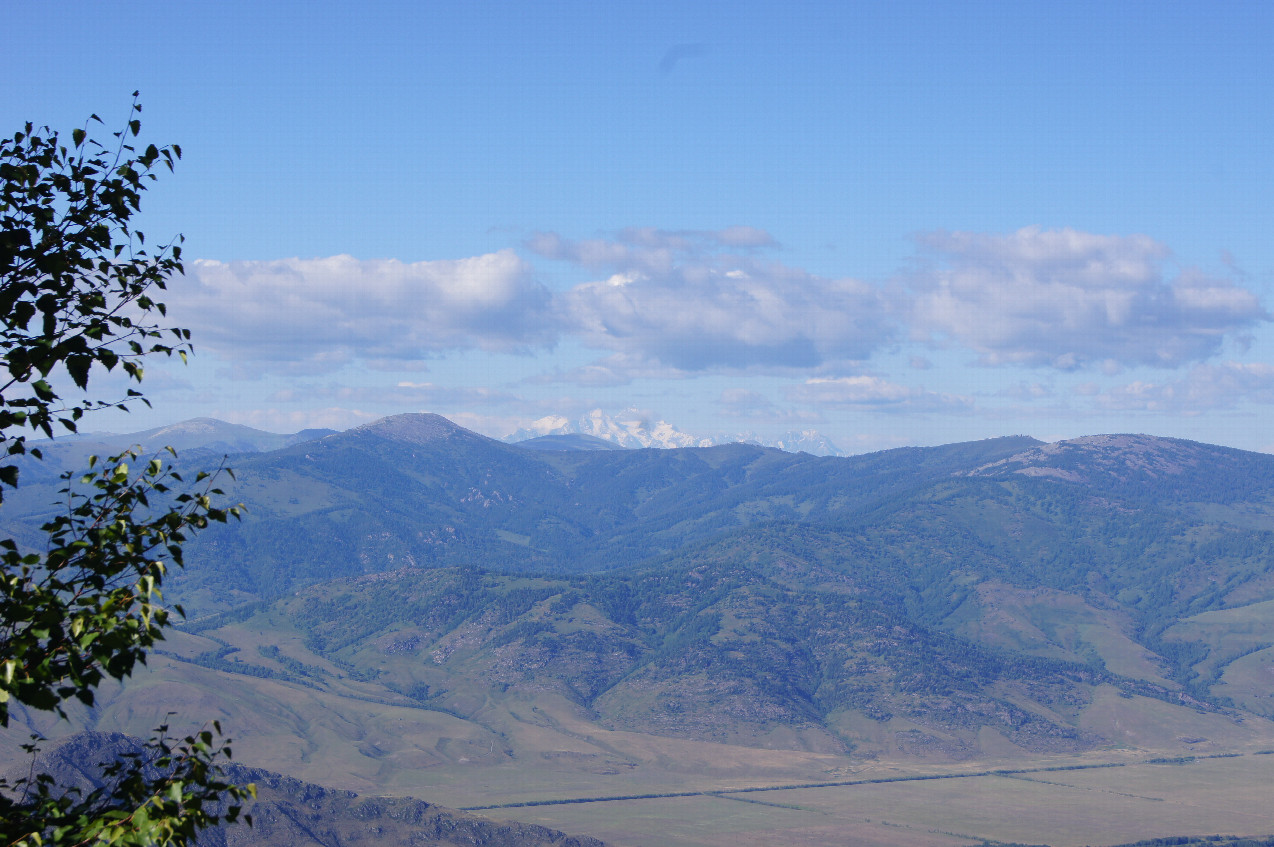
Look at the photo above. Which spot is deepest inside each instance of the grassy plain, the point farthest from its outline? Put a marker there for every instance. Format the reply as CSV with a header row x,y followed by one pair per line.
x,y
318,721
1068,808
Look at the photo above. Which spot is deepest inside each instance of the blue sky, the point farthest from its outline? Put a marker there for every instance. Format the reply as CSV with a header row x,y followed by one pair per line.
x,y
896,223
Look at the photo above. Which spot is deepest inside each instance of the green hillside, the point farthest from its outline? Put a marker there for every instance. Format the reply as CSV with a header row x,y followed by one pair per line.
x,y
416,490
413,609
1121,558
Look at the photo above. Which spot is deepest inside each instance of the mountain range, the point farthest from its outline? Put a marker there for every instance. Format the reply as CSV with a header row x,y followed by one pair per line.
x,y
634,430
409,598
203,439
967,552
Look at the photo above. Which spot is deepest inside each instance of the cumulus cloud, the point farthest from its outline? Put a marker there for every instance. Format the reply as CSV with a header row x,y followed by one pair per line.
x,y
1205,388
1068,300
666,304
870,392
315,315
691,301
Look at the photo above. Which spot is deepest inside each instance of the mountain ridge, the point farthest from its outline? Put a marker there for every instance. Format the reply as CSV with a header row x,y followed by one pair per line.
x,y
287,811
410,606
634,430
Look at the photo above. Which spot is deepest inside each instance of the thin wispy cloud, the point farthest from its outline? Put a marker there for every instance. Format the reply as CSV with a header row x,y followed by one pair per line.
x,y
678,53
871,392
745,404
1205,388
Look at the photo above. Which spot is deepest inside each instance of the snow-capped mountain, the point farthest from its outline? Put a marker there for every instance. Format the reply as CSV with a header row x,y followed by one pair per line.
x,y
629,429
805,441
633,430
548,425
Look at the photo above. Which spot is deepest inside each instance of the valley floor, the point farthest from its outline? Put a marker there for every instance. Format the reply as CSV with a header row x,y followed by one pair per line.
x,y
544,762
1090,805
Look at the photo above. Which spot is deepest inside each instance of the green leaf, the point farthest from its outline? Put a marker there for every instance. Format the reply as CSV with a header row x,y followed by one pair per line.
x,y
77,289
78,367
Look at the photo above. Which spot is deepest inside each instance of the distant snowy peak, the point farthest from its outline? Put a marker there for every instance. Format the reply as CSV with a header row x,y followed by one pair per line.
x,y
633,430
628,429
807,441
550,425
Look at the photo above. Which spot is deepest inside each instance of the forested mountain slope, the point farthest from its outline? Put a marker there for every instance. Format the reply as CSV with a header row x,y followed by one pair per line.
x,y
417,490
1004,594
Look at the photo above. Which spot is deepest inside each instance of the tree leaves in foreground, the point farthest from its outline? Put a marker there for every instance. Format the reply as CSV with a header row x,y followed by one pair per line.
x,y
76,297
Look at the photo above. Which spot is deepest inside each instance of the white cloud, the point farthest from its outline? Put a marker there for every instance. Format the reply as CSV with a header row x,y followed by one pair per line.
x,y
439,395
679,301
678,304
316,315
605,374
1068,300
274,420
736,397
424,395
870,392
745,404
1027,391
1205,388
745,236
